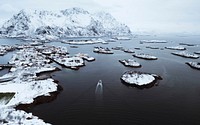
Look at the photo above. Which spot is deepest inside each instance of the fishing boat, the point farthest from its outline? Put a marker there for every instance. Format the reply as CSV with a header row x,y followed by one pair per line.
x,y
99,87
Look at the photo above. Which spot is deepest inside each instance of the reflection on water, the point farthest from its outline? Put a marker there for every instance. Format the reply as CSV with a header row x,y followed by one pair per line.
x,y
99,88
99,93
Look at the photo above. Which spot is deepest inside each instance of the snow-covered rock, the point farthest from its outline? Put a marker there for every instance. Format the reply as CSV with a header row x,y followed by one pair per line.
x,y
10,116
21,88
6,48
128,51
130,63
67,61
145,56
138,78
85,56
47,25
186,54
176,48
102,50
195,65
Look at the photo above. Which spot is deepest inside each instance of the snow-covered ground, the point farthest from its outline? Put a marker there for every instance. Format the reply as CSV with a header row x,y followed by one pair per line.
x,y
10,116
25,93
27,63
23,83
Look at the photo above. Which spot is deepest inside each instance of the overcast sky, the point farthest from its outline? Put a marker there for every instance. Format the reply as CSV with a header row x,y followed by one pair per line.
x,y
140,15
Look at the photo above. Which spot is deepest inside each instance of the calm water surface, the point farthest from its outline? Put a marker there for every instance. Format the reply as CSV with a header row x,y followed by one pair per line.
x,y
173,100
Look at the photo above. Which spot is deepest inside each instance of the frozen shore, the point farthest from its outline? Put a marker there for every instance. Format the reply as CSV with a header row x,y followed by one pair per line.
x,y
11,116
23,82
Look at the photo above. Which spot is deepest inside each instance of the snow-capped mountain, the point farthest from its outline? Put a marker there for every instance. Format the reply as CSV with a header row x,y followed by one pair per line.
x,y
69,22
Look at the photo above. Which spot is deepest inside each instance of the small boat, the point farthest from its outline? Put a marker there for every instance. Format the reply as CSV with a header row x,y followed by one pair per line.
x,y
99,88
73,46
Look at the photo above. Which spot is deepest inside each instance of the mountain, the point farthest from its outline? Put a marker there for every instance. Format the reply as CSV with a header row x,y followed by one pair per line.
x,y
65,23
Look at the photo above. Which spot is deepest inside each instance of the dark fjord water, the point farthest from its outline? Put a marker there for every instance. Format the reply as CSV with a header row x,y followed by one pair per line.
x,y
174,100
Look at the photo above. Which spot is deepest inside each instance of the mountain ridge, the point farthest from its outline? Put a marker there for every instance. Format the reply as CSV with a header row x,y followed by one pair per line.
x,y
71,22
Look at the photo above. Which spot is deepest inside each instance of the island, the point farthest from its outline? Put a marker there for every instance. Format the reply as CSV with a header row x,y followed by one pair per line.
x,y
139,79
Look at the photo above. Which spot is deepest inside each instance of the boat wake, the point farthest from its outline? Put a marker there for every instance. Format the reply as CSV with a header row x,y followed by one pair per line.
x,y
99,88
99,93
